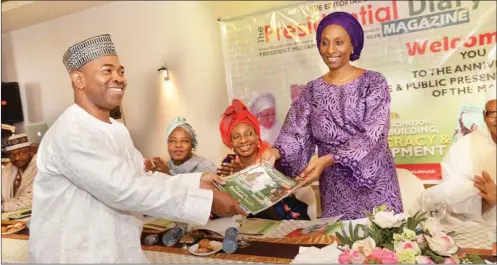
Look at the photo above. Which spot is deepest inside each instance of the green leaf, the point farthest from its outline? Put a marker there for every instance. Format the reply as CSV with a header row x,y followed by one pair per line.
x,y
415,215
356,233
436,258
456,235
364,229
410,222
343,229
343,241
475,259
351,238
351,232
388,246
343,238
451,233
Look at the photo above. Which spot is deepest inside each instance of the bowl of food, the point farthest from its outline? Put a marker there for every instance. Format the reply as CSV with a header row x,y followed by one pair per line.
x,y
205,247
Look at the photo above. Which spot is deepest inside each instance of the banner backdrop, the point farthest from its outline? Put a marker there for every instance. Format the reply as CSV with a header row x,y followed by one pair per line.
x,y
438,57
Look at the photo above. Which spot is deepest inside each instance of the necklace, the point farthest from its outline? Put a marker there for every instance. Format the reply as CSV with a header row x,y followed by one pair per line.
x,y
341,80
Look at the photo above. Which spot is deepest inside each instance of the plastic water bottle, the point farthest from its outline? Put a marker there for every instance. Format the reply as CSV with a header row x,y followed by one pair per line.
x,y
230,241
151,239
172,236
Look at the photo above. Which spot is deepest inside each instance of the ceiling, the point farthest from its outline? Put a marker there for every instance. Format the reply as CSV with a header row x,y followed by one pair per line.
x,y
20,14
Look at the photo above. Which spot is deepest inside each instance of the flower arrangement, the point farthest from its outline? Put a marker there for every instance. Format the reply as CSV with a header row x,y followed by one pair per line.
x,y
397,238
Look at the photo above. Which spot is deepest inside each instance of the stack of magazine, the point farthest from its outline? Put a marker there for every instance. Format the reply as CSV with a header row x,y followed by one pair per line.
x,y
258,187
324,226
159,225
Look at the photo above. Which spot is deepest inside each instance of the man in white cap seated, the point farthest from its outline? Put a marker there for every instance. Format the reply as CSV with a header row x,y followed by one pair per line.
x,y
18,175
469,171
263,107
91,190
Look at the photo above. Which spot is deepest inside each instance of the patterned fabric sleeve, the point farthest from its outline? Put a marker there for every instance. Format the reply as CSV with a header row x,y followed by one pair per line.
x,y
295,142
353,157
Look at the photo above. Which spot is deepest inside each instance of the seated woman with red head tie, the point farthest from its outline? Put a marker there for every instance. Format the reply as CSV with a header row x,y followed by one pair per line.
x,y
240,131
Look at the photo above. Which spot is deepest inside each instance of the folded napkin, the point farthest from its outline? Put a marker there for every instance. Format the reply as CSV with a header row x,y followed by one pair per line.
x,y
328,254
220,225
22,213
159,225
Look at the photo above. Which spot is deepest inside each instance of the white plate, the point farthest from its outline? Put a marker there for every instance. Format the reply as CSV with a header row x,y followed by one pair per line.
x,y
215,244
13,232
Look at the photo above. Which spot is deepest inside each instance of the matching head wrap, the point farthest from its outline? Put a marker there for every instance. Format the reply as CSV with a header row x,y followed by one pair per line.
x,y
17,141
181,122
262,102
350,24
235,114
88,50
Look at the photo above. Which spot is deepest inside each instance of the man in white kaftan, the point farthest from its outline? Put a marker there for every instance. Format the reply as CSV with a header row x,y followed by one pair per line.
x,y
469,171
91,190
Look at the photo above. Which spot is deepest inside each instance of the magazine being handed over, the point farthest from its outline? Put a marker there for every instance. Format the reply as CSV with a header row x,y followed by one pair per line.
x,y
258,187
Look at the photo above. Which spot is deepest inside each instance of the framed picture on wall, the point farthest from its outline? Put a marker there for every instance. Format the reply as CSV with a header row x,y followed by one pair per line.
x,y
117,114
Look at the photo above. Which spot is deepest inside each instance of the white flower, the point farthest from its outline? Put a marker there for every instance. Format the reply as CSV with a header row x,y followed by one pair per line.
x,y
356,257
398,237
407,245
442,244
409,234
407,256
364,246
432,226
424,260
420,239
386,219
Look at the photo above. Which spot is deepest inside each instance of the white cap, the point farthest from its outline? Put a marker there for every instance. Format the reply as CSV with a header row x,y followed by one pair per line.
x,y
17,141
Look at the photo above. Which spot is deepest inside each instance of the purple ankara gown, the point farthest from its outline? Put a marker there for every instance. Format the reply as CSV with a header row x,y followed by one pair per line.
x,y
351,123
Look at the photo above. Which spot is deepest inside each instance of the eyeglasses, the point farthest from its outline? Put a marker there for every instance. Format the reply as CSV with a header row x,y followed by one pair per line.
x,y
491,113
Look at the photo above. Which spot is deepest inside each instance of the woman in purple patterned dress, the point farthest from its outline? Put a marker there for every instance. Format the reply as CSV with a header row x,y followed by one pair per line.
x,y
346,114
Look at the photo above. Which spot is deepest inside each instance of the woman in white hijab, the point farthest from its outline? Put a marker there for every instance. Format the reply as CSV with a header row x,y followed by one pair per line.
x,y
181,144
263,107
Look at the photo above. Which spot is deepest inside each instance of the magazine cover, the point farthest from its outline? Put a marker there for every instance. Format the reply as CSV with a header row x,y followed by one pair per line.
x,y
258,187
324,227
469,119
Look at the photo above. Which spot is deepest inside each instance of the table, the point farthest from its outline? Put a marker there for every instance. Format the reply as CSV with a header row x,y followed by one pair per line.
x,y
15,247
16,251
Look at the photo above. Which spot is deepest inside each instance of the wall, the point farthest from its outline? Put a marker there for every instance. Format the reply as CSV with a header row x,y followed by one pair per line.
x,y
147,34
